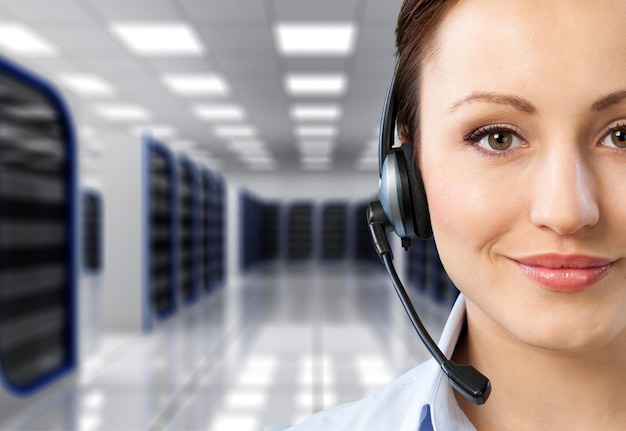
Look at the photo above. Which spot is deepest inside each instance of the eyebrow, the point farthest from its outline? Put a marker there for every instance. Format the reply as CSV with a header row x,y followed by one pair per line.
x,y
524,105
502,99
607,101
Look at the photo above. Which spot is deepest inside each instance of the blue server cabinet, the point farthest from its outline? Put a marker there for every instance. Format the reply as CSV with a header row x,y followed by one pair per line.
x,y
425,272
37,233
160,278
270,231
363,244
210,233
217,230
92,231
249,223
300,239
334,231
188,230
416,265
204,208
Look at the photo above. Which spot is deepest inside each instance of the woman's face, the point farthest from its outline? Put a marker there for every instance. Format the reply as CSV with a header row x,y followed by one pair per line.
x,y
523,156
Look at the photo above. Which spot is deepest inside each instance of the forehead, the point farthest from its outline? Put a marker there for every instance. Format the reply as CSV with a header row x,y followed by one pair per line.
x,y
530,46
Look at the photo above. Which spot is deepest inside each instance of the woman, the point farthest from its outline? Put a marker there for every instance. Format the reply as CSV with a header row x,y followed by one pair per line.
x,y
517,110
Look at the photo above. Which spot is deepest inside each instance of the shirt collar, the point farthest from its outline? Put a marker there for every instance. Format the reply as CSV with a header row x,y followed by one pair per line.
x,y
454,326
442,408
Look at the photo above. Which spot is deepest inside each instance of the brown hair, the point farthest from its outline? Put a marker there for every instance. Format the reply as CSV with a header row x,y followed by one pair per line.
x,y
417,23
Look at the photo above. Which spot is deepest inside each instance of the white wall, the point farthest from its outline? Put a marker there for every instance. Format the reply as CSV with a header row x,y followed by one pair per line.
x,y
123,236
315,186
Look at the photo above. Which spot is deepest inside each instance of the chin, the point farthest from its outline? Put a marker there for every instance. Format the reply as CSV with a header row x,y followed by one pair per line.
x,y
575,332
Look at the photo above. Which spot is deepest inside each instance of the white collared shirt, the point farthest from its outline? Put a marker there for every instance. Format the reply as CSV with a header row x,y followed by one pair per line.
x,y
419,400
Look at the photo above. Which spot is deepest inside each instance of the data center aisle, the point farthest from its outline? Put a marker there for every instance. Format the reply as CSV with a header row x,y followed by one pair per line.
x,y
275,346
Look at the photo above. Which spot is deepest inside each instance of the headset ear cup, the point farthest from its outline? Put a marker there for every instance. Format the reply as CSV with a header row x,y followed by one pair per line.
x,y
420,213
395,195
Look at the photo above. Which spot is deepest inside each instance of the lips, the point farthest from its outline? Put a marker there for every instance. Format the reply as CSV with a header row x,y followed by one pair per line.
x,y
565,273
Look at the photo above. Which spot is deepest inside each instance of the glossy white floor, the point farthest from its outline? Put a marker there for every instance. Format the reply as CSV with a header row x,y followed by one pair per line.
x,y
277,345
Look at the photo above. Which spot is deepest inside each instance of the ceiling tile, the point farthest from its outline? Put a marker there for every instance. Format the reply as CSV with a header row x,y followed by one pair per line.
x,y
49,11
134,10
220,11
81,40
315,10
386,11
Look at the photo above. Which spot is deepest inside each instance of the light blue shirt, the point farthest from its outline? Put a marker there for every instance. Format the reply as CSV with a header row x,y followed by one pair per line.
x,y
420,400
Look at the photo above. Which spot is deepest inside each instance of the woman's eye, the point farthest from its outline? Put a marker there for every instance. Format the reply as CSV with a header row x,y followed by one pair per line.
x,y
499,141
615,139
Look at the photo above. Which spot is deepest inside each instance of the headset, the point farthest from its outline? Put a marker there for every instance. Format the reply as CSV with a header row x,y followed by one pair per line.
x,y
403,208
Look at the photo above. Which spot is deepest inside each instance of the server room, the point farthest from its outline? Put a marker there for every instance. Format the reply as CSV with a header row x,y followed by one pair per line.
x,y
226,226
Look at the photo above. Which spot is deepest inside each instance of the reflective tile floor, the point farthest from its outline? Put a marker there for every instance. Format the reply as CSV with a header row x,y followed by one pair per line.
x,y
279,344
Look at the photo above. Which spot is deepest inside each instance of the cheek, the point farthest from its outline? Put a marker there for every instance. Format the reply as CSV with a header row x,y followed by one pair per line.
x,y
458,209
469,218
456,231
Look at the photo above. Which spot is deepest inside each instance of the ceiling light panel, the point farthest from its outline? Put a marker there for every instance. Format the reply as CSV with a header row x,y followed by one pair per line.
x,y
316,166
119,112
315,85
158,38
235,131
260,161
315,39
316,147
218,112
87,85
262,166
256,158
196,84
315,112
156,130
253,154
254,146
20,40
315,159
315,131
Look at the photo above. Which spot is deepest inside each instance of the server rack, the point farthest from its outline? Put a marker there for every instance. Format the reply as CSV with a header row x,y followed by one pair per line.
x,y
426,273
188,281
37,233
364,250
334,231
220,230
439,285
270,231
416,265
300,231
92,231
249,230
216,230
204,207
161,225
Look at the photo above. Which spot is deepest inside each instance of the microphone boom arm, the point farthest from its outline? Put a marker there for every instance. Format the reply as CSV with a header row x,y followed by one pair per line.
x,y
468,381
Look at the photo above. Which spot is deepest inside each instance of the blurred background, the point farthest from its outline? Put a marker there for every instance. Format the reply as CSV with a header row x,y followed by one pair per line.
x,y
183,186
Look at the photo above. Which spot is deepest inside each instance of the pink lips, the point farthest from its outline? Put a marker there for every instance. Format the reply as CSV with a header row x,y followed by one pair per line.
x,y
565,273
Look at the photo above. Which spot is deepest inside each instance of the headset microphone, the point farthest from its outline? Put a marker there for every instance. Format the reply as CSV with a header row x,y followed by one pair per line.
x,y
403,208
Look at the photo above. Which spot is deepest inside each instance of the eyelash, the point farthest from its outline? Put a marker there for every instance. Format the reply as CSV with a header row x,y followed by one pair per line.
x,y
619,127
475,136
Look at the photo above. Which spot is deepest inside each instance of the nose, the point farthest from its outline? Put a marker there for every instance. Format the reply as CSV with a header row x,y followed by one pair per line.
x,y
565,200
